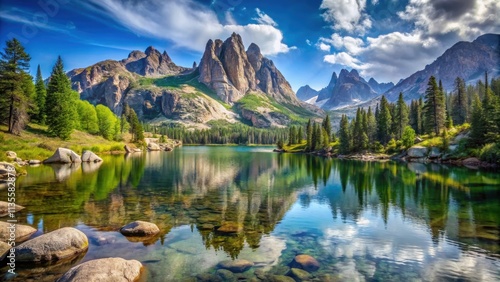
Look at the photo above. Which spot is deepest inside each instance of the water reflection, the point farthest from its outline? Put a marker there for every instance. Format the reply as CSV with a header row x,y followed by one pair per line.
x,y
361,220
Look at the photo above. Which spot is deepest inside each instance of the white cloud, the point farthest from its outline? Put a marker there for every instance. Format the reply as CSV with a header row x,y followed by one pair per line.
x,y
346,15
187,23
324,47
308,42
436,26
263,18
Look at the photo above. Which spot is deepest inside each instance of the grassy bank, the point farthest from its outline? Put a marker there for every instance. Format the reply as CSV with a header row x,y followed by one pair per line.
x,y
34,143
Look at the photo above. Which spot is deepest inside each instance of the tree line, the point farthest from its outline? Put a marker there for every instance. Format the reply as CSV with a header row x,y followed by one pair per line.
x,y
395,125
55,104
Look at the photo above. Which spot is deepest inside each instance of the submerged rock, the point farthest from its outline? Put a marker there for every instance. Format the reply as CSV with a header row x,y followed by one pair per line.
x,y
63,155
104,270
236,266
61,244
140,228
299,274
22,232
281,278
90,157
305,262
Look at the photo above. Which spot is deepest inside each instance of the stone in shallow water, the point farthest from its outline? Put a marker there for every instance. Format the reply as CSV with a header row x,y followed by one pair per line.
x,y
299,274
226,275
23,232
206,226
237,266
4,208
104,270
305,262
207,277
140,228
61,244
281,278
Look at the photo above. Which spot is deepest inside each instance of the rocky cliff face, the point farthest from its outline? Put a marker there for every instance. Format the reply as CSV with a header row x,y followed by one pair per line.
x,y
151,63
327,92
380,88
232,73
468,60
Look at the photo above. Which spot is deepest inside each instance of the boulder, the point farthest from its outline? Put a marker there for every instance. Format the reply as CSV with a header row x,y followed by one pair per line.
x,y
62,244
472,162
281,278
63,155
104,270
34,162
139,229
299,274
4,249
153,147
417,152
434,153
236,266
4,208
6,170
128,149
306,262
90,157
11,155
22,232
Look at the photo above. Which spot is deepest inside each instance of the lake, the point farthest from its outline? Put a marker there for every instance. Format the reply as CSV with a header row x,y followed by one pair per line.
x,y
362,221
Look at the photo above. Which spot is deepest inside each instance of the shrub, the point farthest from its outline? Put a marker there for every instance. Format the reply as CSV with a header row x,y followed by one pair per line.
x,y
391,146
490,153
408,137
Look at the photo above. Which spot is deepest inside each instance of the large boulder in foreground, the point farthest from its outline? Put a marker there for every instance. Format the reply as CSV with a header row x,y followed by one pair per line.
x,y
104,270
90,157
140,229
306,262
22,232
153,147
62,244
64,156
6,170
417,152
4,208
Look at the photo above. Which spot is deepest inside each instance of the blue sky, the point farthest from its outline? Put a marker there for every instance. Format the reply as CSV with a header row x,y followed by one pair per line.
x,y
307,40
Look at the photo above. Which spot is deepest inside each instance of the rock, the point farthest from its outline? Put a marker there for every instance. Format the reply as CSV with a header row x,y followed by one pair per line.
x,y
128,149
305,262
4,208
63,155
140,228
61,244
207,277
34,162
472,162
7,170
452,148
90,157
168,149
434,153
153,147
226,275
104,270
4,250
418,140
417,152
236,266
22,232
281,278
299,274
11,155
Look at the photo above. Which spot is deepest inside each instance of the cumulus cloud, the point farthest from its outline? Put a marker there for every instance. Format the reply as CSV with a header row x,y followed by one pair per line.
x,y
187,23
263,18
346,15
308,42
324,47
435,26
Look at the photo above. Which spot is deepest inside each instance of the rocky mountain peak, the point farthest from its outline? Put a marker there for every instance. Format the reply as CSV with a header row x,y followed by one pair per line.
x,y
232,72
326,92
151,63
306,93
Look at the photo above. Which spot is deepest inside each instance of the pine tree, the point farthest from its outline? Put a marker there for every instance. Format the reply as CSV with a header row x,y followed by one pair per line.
x,y
384,122
490,114
401,118
60,103
41,95
300,135
327,125
460,104
135,126
325,139
14,86
434,108
309,132
344,136
372,126
358,132
319,137
477,132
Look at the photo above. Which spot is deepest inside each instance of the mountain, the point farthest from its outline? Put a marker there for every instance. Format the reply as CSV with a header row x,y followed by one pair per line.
x,y
306,93
379,87
326,92
468,60
230,85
